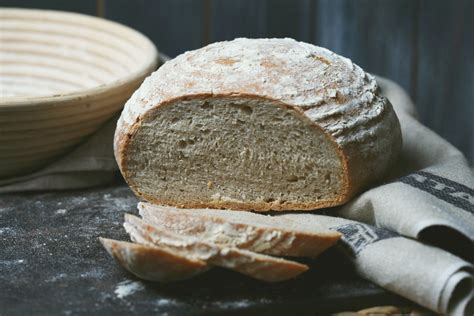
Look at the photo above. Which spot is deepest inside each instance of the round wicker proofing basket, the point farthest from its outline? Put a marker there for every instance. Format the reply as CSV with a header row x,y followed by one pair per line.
x,y
62,75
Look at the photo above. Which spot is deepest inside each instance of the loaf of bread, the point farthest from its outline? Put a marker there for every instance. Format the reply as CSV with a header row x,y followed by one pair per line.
x,y
256,124
244,230
255,265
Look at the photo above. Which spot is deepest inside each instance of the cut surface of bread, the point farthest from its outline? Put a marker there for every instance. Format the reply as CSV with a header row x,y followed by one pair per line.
x,y
258,266
152,263
228,150
256,124
244,230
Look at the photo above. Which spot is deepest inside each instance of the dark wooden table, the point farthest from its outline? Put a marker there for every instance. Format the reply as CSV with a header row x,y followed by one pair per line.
x,y
51,262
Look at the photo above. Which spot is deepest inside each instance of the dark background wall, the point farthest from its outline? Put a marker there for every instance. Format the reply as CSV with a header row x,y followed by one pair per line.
x,y
427,46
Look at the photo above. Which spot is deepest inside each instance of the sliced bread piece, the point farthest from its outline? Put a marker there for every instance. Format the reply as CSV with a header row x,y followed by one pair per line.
x,y
258,266
256,124
244,230
153,263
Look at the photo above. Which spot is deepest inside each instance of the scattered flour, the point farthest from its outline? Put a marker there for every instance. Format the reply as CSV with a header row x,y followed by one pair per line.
x,y
120,202
127,288
95,274
243,303
5,230
57,277
165,302
240,303
61,211
11,262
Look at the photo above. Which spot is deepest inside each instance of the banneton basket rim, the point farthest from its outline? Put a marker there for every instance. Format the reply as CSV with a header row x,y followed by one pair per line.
x,y
151,55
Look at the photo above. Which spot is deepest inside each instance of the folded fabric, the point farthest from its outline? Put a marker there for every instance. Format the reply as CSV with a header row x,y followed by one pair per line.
x,y
424,274
431,194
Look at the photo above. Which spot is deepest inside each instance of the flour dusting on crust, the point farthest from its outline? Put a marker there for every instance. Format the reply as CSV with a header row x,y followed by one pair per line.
x,y
326,86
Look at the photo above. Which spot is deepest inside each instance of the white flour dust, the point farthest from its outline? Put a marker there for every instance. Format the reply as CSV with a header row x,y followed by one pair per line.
x,y
166,302
61,211
127,288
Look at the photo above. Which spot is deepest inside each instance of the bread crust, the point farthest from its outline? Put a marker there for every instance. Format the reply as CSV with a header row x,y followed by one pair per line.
x,y
249,231
152,263
367,135
255,265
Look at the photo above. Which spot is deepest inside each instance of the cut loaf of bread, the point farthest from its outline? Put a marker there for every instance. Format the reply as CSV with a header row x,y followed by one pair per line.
x,y
258,266
244,230
153,263
256,124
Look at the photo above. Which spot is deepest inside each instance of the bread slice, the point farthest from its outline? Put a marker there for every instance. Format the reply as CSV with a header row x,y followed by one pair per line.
x,y
256,124
153,263
258,266
244,230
